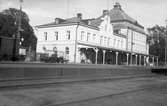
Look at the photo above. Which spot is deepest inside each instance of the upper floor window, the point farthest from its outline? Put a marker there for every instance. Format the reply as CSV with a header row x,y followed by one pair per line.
x,y
82,35
101,39
68,35
114,42
118,43
108,42
56,35
105,40
121,43
94,37
46,35
88,36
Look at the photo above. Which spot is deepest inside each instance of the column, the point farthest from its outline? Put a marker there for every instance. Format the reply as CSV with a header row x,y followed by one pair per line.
x,y
117,58
96,50
157,61
153,60
144,60
139,59
127,58
104,53
131,59
136,59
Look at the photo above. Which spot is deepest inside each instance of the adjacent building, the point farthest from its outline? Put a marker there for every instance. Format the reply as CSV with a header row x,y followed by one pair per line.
x,y
112,38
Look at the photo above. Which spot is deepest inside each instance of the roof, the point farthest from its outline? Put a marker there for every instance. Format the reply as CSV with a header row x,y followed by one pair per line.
x,y
118,18
117,14
69,21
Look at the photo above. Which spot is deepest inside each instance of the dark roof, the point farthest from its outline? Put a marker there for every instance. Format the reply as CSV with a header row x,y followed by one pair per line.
x,y
69,21
118,17
117,14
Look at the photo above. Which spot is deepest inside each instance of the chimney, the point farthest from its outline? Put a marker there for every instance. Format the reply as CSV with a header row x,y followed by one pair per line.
x,y
105,12
57,21
117,6
79,15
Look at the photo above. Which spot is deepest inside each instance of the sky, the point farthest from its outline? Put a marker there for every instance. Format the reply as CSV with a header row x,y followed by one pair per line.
x,y
147,12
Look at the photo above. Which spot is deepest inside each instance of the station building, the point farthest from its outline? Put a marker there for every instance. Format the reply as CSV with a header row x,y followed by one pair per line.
x,y
112,38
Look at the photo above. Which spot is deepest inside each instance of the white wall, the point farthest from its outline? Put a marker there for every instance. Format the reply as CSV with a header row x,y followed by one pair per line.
x,y
61,43
139,42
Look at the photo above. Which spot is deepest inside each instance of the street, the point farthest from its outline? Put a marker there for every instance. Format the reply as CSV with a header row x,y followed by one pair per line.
x,y
139,91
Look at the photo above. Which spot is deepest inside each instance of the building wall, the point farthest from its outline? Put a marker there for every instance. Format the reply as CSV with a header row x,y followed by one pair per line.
x,y
61,43
88,37
136,42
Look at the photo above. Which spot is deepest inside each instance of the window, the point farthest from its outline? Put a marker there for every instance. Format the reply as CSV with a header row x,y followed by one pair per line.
x,y
101,40
56,35
68,35
67,53
94,37
55,50
45,35
122,43
105,40
108,42
88,36
82,35
114,42
117,31
67,50
118,43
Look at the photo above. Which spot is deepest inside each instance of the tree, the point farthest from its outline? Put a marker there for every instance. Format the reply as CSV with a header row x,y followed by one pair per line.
x,y
156,39
9,27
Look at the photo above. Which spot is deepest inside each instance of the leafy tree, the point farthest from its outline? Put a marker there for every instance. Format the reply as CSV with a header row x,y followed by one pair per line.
x,y
156,39
9,27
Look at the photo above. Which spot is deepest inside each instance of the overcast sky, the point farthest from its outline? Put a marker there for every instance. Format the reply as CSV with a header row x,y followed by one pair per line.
x,y
146,12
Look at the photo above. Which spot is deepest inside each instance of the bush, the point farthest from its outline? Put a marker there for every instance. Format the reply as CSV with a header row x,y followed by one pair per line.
x,y
52,59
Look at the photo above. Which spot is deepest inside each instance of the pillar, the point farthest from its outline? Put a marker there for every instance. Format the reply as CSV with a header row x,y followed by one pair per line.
x,y
131,59
111,57
153,60
144,60
104,53
117,58
127,58
139,59
136,59
157,61
96,50
86,55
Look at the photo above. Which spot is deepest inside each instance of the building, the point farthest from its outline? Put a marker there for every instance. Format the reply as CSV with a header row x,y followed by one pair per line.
x,y
112,38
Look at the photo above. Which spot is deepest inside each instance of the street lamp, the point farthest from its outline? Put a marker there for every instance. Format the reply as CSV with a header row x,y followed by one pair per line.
x,y
17,35
165,41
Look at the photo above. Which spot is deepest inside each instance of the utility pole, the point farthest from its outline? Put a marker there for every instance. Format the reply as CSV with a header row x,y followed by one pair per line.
x,y
17,36
132,43
165,41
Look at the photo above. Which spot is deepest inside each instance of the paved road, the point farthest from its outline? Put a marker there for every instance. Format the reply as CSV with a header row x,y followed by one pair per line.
x,y
141,91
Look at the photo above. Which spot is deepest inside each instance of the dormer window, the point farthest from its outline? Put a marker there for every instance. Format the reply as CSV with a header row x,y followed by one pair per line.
x,y
56,21
117,31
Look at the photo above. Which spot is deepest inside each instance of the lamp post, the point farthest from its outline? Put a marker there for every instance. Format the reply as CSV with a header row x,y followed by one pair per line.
x,y
17,35
165,41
